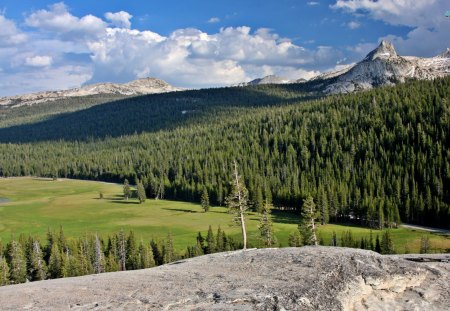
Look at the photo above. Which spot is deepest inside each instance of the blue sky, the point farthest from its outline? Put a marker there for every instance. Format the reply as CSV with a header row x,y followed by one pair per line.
x,y
56,45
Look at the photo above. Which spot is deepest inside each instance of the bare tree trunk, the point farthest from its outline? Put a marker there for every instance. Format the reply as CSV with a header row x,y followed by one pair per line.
x,y
241,207
313,227
244,232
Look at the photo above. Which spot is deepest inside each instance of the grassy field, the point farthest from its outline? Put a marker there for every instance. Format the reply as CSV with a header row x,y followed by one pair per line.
x,y
36,205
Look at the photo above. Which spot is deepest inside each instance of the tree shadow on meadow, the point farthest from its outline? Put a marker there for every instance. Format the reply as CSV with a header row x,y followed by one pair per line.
x,y
181,210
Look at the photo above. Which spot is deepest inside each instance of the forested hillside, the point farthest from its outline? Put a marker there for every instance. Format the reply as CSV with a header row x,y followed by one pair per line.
x,y
374,156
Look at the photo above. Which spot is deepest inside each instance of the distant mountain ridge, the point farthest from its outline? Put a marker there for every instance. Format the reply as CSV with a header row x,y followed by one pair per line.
x,y
136,87
382,66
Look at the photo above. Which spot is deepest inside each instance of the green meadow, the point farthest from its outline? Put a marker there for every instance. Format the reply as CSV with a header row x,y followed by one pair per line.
x,y
35,205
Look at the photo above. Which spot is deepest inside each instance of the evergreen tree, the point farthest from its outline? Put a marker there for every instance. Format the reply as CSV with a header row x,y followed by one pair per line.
x,y
38,267
295,239
146,259
387,245
4,271
169,251
266,226
347,239
17,263
237,202
210,242
205,200
111,264
126,189
220,243
307,225
141,192
157,252
132,254
377,244
380,217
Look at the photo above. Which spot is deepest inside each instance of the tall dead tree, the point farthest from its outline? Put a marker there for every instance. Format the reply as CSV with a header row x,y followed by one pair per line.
x,y
237,202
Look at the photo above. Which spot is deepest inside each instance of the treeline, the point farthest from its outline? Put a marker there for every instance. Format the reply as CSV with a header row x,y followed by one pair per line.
x,y
27,259
376,158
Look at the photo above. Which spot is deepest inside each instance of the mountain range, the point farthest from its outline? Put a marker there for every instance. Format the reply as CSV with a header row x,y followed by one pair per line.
x,y
133,88
382,66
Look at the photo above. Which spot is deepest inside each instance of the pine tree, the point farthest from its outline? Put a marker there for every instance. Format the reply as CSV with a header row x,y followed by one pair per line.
x,y
38,266
17,263
169,251
377,244
146,259
220,245
380,216
111,264
205,200
126,189
237,202
141,192
307,225
210,242
266,226
387,245
132,261
4,271
295,239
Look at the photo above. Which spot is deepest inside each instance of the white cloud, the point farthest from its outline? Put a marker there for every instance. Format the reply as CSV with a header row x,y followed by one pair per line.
x,y
430,28
58,20
38,61
9,34
353,25
312,3
213,20
73,50
192,58
46,78
120,19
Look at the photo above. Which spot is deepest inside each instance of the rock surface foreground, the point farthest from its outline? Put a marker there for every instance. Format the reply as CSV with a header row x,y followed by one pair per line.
x,y
308,278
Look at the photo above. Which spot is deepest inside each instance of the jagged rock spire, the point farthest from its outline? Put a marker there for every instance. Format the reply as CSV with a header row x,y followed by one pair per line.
x,y
384,50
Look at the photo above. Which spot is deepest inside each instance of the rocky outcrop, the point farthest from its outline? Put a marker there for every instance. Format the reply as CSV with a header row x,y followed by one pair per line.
x,y
271,79
136,87
383,66
308,278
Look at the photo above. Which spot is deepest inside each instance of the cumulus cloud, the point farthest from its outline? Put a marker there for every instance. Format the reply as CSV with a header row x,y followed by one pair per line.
x,y
213,20
430,28
192,58
60,21
9,34
312,3
74,50
120,19
38,61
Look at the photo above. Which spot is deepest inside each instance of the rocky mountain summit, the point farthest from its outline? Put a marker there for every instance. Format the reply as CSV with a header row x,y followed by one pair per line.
x,y
307,278
271,79
136,87
383,66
